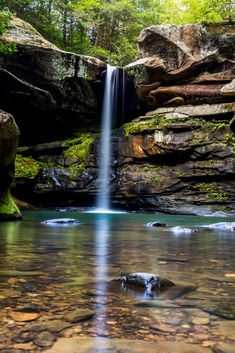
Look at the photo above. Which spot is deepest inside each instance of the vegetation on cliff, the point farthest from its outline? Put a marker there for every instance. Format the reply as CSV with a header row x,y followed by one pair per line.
x,y
109,29
78,151
8,208
5,47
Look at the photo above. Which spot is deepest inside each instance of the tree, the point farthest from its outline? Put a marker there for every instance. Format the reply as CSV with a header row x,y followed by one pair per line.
x,y
108,29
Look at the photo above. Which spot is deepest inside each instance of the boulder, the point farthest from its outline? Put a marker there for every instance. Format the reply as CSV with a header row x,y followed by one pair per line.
x,y
54,92
9,135
177,46
188,64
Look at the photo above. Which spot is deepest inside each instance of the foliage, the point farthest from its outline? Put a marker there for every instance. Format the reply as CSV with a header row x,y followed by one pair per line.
x,y
213,191
5,47
7,207
108,29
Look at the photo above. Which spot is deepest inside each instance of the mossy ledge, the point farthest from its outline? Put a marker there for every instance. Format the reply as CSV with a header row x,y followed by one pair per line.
x,y
8,209
79,151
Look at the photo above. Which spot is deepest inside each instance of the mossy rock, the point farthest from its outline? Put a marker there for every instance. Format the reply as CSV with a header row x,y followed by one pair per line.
x,y
78,152
26,167
8,209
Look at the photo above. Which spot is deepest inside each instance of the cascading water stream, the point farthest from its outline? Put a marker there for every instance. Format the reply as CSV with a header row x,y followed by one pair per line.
x,y
108,115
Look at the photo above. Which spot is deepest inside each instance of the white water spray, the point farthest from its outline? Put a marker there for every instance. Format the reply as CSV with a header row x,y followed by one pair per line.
x,y
108,113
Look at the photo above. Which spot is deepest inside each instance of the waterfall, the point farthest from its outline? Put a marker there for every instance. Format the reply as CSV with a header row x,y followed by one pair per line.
x,y
108,115
123,102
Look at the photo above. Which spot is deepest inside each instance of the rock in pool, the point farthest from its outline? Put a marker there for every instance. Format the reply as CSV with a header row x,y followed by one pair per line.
x,y
145,280
221,226
61,221
155,224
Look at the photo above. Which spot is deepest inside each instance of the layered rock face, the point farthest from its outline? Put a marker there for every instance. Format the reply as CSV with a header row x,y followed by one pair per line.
x,y
181,153
186,64
9,135
178,156
51,93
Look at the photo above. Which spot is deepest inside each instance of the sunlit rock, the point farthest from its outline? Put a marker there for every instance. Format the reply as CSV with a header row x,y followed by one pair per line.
x,y
179,229
221,226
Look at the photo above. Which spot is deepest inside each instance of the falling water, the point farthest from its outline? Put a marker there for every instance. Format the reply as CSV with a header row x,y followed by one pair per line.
x,y
123,102
108,114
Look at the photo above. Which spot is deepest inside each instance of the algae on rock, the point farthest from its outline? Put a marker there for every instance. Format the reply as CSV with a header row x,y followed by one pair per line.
x,y
9,135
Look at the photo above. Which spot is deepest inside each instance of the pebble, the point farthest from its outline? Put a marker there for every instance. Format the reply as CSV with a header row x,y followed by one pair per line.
x,y
23,346
163,328
223,347
44,339
201,321
22,316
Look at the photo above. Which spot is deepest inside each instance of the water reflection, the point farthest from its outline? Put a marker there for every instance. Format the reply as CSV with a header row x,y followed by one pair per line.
x,y
102,236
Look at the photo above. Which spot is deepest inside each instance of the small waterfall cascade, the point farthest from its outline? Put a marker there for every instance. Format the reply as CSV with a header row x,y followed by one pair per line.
x,y
108,115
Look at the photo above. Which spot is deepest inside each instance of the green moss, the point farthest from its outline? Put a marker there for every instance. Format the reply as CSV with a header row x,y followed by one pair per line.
x,y
233,149
26,167
8,209
139,126
149,168
5,47
213,191
79,150
229,138
181,174
207,163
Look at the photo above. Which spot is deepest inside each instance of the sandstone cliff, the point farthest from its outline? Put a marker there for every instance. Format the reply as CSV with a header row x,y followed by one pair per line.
x,y
176,157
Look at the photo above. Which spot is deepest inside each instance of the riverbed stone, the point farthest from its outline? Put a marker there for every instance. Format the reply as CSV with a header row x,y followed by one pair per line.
x,y
101,345
44,339
79,315
223,310
54,326
224,347
227,328
22,316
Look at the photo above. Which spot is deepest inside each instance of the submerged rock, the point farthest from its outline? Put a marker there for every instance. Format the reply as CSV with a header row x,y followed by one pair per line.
x,y
61,221
79,315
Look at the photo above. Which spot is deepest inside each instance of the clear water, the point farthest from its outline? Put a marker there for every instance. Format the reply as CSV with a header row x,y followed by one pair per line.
x,y
56,269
